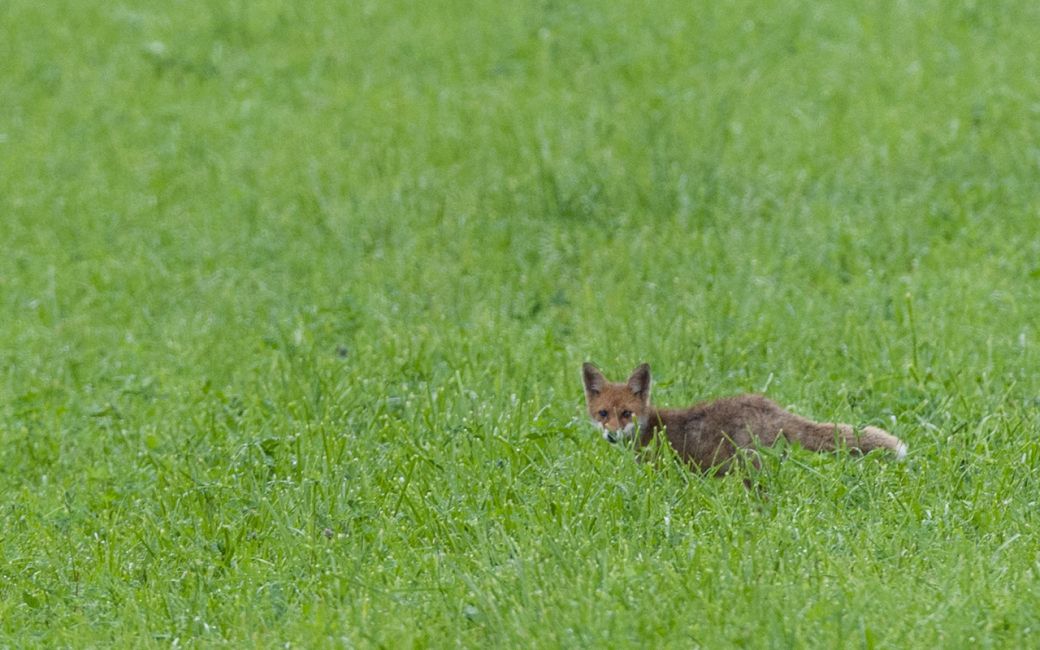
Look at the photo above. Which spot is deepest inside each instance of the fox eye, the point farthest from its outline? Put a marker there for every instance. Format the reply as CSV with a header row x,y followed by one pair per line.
x,y
603,413
626,414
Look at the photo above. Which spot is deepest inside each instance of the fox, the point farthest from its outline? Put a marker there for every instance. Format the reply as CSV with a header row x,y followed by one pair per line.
x,y
709,437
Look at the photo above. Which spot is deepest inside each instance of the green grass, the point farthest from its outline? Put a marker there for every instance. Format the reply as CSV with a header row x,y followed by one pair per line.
x,y
295,298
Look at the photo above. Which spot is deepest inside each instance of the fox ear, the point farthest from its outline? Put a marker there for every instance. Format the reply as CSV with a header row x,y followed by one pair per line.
x,y
639,382
592,378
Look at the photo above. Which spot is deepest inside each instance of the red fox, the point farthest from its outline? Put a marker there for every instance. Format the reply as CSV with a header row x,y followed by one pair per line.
x,y
707,436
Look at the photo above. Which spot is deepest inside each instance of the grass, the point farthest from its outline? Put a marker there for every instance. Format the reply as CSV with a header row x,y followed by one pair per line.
x,y
295,300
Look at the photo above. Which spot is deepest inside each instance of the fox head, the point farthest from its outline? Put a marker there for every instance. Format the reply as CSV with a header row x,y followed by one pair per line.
x,y
617,409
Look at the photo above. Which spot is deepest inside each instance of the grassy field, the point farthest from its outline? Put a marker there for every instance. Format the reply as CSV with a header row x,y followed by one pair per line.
x,y
294,297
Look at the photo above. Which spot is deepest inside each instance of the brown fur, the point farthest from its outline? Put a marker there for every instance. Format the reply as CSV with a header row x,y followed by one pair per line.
x,y
708,435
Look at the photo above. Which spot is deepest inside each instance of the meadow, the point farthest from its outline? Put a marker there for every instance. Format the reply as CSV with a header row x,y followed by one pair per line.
x,y
294,299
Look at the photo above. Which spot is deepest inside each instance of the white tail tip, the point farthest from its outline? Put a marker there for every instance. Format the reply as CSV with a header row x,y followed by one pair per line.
x,y
901,451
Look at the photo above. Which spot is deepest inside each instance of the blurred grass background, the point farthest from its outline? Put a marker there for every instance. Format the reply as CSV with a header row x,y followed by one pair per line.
x,y
295,298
